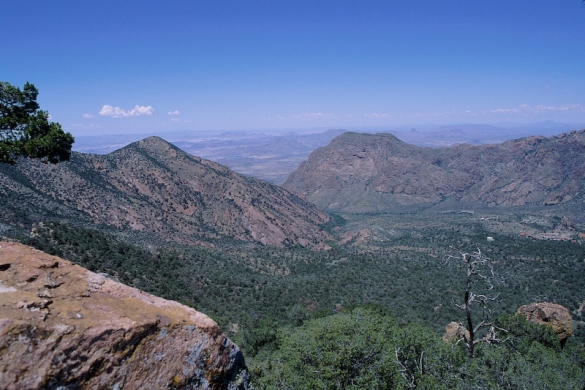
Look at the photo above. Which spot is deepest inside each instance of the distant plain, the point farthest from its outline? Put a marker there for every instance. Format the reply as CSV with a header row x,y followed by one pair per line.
x,y
272,155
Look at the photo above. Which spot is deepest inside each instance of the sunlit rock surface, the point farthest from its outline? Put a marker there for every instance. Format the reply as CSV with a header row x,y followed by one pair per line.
x,y
550,314
62,325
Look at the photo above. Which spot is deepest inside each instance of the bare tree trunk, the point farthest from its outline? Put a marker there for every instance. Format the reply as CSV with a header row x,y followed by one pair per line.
x,y
479,269
470,342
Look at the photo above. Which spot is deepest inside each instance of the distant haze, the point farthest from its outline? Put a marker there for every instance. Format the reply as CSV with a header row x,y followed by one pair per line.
x,y
273,155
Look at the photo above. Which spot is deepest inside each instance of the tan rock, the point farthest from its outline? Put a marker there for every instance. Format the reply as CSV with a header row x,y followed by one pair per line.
x,y
550,314
62,325
454,331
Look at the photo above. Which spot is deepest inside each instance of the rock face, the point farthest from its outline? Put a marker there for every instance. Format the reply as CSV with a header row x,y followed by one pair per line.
x,y
153,188
62,326
549,314
378,172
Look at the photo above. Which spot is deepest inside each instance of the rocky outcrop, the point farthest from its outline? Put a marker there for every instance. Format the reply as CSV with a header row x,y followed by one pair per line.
x,y
378,172
454,331
549,314
62,326
153,188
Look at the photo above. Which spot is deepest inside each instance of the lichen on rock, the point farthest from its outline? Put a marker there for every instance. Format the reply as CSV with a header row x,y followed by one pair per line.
x,y
64,326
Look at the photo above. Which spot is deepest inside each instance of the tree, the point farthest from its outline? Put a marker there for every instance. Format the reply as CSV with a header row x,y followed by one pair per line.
x,y
25,130
349,350
478,269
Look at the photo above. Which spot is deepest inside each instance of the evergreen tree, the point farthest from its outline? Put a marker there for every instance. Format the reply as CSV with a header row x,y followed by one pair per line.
x,y
25,130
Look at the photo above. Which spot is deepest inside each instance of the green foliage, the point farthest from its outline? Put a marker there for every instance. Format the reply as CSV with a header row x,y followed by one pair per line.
x,y
282,301
25,131
524,334
362,349
345,351
247,284
335,220
538,367
259,335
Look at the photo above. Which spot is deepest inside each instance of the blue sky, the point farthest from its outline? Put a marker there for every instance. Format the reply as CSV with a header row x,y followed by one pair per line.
x,y
107,67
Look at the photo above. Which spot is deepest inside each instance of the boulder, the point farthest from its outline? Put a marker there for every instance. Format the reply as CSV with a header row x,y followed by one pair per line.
x,y
62,326
454,331
549,314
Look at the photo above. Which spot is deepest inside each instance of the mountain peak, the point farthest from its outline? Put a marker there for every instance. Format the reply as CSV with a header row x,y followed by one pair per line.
x,y
155,188
153,140
152,143
360,172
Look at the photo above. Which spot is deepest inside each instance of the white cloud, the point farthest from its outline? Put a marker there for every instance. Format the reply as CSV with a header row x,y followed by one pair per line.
x,y
88,116
117,112
176,112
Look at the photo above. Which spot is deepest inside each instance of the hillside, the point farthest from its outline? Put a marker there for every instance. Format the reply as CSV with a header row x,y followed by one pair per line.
x,y
152,187
378,172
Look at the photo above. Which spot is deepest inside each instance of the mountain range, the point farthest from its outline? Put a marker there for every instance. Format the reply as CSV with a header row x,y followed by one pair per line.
x,y
153,188
366,173
270,156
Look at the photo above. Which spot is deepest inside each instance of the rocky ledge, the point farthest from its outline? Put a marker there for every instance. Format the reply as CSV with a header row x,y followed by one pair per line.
x,y
62,326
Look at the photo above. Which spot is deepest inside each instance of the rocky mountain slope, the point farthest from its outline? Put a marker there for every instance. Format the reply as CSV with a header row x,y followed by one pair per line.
x,y
153,187
62,326
377,172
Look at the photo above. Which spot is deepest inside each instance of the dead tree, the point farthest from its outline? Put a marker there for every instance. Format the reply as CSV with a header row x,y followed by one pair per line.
x,y
479,270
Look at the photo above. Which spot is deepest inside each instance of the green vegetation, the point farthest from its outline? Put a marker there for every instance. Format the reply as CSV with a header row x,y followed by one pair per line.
x,y
25,131
363,349
360,317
